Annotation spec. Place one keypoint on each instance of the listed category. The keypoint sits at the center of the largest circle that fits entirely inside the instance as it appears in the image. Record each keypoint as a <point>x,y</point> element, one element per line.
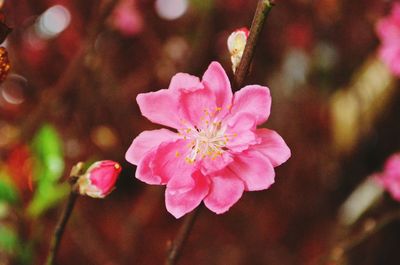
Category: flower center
<point>207,140</point>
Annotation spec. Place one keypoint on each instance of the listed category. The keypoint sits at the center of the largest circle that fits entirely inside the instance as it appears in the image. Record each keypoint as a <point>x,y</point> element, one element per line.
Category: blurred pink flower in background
<point>99,180</point>
<point>390,177</point>
<point>388,30</point>
<point>217,151</point>
<point>127,18</point>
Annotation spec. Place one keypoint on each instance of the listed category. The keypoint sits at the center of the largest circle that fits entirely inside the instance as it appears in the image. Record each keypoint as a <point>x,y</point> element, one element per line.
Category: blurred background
<point>76,68</point>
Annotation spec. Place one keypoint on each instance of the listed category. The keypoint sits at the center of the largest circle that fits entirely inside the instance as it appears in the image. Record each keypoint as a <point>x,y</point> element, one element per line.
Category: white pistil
<point>208,140</point>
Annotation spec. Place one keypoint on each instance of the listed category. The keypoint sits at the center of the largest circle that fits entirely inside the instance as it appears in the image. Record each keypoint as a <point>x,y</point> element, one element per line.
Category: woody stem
<point>262,11</point>
<point>76,171</point>
<point>59,231</point>
<point>183,234</point>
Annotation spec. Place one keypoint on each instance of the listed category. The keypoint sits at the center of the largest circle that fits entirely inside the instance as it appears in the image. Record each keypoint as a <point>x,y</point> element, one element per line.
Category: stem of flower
<point>59,231</point>
<point>370,227</point>
<point>183,234</point>
<point>262,11</point>
<point>64,217</point>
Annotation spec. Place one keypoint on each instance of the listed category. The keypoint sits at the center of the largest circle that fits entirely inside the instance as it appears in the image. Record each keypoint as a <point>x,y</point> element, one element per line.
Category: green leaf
<point>48,168</point>
<point>47,150</point>
<point>25,254</point>
<point>8,240</point>
<point>4,209</point>
<point>47,196</point>
<point>8,193</point>
<point>11,244</point>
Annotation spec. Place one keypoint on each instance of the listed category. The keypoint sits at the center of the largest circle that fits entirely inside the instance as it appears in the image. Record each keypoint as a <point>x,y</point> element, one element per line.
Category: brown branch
<point>183,234</point>
<point>64,217</point>
<point>59,231</point>
<point>370,227</point>
<point>262,11</point>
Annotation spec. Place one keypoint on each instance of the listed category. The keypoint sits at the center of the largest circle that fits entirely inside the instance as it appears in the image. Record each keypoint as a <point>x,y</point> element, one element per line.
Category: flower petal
<point>144,171</point>
<point>225,190</point>
<point>390,54</point>
<point>253,99</point>
<point>146,141</point>
<point>216,80</point>
<point>272,146</point>
<point>185,82</point>
<point>184,193</point>
<point>160,107</point>
<point>213,164</point>
<point>164,162</point>
<point>198,106</point>
<point>390,177</point>
<point>241,132</point>
<point>254,169</point>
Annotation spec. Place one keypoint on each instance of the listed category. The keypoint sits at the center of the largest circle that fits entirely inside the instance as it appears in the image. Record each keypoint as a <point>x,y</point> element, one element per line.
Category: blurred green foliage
<point>11,245</point>
<point>48,168</point>
<point>8,193</point>
<point>8,240</point>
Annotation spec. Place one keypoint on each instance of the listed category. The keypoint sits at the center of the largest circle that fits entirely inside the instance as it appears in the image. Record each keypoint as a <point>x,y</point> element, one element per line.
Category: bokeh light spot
<point>53,21</point>
<point>171,9</point>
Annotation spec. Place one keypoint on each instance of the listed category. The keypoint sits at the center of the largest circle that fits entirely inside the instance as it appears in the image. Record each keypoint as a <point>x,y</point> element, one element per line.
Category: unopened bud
<point>236,43</point>
<point>99,179</point>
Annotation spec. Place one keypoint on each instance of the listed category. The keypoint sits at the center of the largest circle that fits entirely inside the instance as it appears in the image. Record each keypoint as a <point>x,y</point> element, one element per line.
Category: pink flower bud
<point>236,43</point>
<point>99,179</point>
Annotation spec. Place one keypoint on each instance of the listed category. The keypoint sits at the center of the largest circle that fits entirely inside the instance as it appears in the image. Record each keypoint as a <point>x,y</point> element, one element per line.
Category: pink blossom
<point>390,177</point>
<point>215,152</point>
<point>99,179</point>
<point>388,30</point>
<point>127,18</point>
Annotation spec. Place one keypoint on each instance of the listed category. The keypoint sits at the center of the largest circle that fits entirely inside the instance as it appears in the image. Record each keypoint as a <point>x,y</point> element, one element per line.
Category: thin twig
<point>58,233</point>
<point>370,228</point>
<point>262,11</point>
<point>183,234</point>
<point>64,217</point>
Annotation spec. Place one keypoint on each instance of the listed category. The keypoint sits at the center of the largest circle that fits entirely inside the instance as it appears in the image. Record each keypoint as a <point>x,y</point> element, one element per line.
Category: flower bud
<point>99,179</point>
<point>236,43</point>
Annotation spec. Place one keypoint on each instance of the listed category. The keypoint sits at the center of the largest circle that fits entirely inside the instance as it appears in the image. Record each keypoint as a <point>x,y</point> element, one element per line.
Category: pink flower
<point>99,179</point>
<point>388,30</point>
<point>390,177</point>
<point>127,18</point>
<point>215,152</point>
